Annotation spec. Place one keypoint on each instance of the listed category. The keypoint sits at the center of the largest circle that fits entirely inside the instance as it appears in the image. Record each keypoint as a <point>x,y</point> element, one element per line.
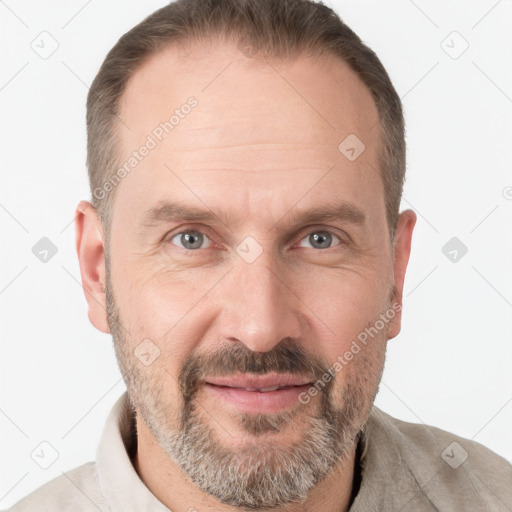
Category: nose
<point>258,307</point>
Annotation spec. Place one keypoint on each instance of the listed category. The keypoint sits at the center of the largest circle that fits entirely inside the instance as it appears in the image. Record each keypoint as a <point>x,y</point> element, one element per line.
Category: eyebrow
<point>168,212</point>
<point>345,210</point>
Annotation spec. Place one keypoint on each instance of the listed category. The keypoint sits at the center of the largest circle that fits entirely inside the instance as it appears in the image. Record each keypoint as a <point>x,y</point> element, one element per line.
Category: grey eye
<point>190,240</point>
<point>321,239</point>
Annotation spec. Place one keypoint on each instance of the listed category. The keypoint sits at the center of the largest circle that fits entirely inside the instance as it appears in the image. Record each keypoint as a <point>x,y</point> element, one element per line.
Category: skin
<point>261,143</point>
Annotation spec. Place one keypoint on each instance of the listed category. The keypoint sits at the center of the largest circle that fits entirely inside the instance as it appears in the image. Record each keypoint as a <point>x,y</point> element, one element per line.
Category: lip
<point>260,381</point>
<point>233,391</point>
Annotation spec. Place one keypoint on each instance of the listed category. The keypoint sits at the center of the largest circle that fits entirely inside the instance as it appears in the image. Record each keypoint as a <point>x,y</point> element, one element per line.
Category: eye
<point>189,240</point>
<point>193,239</point>
<point>320,239</point>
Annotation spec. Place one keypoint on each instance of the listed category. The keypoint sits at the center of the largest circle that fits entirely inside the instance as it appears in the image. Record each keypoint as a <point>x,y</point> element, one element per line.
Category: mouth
<point>259,393</point>
<point>260,390</point>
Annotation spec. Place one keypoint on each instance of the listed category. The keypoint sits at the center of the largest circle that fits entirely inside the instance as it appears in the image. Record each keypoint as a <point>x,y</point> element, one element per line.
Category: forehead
<point>324,93</point>
<point>271,130</point>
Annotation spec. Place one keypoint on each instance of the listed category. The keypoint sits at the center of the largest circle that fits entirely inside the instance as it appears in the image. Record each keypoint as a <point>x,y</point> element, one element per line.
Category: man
<point>244,247</point>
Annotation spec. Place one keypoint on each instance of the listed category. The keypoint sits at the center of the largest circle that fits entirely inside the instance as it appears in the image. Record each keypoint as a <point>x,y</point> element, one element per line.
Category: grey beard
<point>261,475</point>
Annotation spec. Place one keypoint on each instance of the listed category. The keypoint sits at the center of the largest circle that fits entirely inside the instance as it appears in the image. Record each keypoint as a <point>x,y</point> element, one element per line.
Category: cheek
<point>168,310</point>
<point>155,302</point>
<point>342,304</point>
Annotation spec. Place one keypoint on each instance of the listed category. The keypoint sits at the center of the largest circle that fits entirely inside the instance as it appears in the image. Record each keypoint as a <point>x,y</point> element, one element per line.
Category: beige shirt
<point>404,467</point>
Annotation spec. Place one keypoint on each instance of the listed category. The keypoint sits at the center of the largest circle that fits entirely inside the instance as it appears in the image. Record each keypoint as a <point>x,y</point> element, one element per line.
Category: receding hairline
<point>188,47</point>
<point>282,31</point>
<point>199,47</point>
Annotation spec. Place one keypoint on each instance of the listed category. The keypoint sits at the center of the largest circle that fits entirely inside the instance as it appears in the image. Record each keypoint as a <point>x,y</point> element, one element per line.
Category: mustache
<point>285,357</point>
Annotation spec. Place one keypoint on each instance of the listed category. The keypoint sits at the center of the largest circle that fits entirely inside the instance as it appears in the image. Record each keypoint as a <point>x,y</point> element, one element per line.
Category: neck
<point>177,492</point>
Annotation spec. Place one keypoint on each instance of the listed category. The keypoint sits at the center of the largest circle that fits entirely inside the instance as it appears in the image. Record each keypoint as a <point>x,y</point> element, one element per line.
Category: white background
<point>451,364</point>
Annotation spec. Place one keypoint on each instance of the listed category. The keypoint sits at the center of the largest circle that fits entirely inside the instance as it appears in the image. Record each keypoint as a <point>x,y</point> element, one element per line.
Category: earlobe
<point>91,256</point>
<point>401,251</point>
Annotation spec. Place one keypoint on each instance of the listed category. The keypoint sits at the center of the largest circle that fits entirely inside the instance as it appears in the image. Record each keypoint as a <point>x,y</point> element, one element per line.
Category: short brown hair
<point>279,29</point>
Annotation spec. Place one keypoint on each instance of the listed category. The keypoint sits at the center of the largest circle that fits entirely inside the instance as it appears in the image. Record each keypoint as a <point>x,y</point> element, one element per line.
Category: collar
<point>120,484</point>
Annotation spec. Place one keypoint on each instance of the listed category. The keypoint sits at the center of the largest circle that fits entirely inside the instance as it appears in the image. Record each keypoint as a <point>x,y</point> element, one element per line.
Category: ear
<point>401,252</point>
<point>91,256</point>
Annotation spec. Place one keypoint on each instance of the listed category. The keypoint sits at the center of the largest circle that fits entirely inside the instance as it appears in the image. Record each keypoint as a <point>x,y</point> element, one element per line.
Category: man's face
<point>257,290</point>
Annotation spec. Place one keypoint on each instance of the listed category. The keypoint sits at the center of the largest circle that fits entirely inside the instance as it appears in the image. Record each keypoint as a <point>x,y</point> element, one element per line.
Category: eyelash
<point>189,251</point>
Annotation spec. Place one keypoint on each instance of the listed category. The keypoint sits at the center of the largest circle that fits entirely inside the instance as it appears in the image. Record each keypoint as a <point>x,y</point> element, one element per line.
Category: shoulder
<point>447,467</point>
<point>427,441</point>
<point>77,490</point>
